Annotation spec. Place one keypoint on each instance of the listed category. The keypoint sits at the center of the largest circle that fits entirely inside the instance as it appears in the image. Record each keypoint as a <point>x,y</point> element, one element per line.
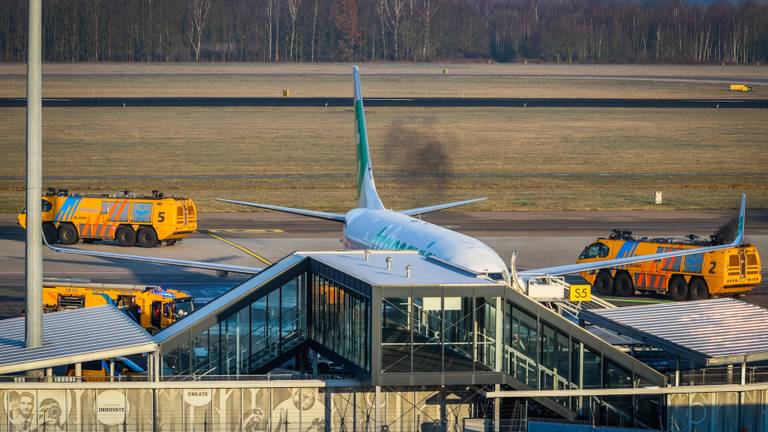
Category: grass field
<point>520,158</point>
<point>389,80</point>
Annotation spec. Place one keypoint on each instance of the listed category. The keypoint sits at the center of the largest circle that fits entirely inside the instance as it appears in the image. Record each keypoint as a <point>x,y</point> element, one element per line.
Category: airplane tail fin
<point>367,197</point>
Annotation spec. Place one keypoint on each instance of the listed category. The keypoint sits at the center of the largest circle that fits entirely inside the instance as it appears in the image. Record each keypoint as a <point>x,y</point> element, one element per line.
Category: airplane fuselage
<point>389,230</point>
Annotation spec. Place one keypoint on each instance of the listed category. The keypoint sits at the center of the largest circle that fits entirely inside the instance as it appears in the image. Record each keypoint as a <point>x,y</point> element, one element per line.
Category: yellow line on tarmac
<point>247,230</point>
<point>242,248</point>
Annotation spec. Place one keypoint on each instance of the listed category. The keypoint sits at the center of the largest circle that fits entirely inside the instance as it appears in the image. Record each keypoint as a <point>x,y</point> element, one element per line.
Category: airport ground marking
<point>247,230</point>
<point>241,248</point>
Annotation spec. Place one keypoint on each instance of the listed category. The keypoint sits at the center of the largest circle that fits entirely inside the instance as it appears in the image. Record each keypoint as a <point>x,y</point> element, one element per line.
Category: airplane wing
<point>429,209</point>
<point>153,260</point>
<point>336,217</point>
<point>577,268</point>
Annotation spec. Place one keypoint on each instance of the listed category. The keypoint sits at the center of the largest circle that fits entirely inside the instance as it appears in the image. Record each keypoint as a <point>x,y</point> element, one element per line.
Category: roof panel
<point>706,329</point>
<point>82,334</point>
<point>373,270</point>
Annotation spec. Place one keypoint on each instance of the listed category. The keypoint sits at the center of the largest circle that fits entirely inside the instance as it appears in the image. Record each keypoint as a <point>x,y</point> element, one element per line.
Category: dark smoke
<point>414,150</point>
<point>727,231</point>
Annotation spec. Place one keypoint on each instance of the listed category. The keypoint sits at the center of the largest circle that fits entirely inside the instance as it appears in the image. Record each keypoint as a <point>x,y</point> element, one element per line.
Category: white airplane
<point>372,226</point>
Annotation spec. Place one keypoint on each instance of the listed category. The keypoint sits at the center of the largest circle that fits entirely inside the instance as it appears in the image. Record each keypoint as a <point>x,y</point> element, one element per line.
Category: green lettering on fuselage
<point>384,241</point>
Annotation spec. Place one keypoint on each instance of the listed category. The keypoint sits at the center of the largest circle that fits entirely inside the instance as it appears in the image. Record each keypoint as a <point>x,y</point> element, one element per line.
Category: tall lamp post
<point>34,256</point>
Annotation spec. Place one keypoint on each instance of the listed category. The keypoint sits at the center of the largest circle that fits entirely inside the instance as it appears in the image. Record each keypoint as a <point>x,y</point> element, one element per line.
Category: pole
<point>34,308</point>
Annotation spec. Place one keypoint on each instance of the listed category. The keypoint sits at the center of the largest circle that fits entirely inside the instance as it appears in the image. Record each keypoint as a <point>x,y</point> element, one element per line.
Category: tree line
<point>563,31</point>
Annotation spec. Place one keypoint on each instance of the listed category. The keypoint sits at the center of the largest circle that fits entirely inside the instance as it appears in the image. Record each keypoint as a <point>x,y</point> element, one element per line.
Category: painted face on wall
<point>26,404</point>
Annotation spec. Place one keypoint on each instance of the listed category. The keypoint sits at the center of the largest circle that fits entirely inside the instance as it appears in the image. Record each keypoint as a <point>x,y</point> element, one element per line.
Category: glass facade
<point>340,320</point>
<point>437,334</point>
<point>323,306</point>
<point>247,337</point>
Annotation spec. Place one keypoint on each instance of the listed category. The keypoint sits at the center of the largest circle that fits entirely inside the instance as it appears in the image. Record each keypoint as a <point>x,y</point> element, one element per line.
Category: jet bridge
<point>399,320</point>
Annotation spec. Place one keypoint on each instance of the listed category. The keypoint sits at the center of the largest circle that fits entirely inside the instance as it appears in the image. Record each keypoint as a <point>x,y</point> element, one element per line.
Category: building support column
<point>328,411</point>
<point>743,373</point>
<point>497,410</point>
<point>499,346</point>
<point>156,370</point>
<point>377,409</point>
<point>443,410</point>
<point>78,372</point>
<point>581,377</point>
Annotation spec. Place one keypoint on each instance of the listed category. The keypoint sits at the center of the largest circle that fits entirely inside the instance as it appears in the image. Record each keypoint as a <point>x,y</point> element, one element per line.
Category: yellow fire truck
<point>125,218</point>
<point>725,272</point>
<point>154,308</point>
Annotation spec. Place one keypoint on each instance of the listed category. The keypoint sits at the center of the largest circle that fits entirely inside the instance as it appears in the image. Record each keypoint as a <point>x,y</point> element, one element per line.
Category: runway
<point>424,102</point>
<point>541,238</point>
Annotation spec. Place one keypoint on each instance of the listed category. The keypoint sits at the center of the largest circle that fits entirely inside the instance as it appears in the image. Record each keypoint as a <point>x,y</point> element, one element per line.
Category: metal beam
<point>244,383</point>
<point>34,247</point>
<point>626,391</point>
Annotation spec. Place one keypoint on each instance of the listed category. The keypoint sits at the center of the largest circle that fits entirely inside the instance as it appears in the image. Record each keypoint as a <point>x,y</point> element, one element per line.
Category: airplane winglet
<point>742,217</point>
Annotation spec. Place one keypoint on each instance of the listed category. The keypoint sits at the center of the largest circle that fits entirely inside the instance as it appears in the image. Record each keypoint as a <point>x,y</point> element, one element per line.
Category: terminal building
<point>388,341</point>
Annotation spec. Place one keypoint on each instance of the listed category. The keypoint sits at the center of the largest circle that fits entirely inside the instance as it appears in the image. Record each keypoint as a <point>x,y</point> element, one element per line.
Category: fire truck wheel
<point>699,289</point>
<point>623,285</point>
<point>147,237</point>
<point>604,283</point>
<point>68,234</point>
<point>50,233</point>
<point>125,236</point>
<point>678,289</point>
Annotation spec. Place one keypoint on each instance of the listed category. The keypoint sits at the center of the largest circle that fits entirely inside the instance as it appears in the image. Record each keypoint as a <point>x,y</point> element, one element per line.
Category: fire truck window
<point>142,212</point>
<point>47,206</point>
<point>594,250</point>
<point>156,307</point>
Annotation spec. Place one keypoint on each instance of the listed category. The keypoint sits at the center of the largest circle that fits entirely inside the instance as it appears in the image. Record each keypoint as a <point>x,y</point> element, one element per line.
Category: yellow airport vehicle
<point>125,218</point>
<point>725,272</point>
<point>154,308</point>
<point>741,87</point>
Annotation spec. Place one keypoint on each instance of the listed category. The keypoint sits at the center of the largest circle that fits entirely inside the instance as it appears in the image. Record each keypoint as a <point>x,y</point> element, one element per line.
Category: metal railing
<point>721,375</point>
<point>258,377</point>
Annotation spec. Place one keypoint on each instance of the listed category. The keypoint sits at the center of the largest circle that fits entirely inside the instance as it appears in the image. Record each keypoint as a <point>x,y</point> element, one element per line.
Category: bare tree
<point>394,11</point>
<point>199,14</point>
<point>293,11</point>
<point>314,29</point>
<point>428,11</point>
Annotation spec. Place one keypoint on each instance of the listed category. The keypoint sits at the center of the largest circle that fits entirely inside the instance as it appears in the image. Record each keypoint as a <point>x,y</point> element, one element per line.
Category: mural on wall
<point>33,410</point>
<point>249,409</point>
<point>81,409</point>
